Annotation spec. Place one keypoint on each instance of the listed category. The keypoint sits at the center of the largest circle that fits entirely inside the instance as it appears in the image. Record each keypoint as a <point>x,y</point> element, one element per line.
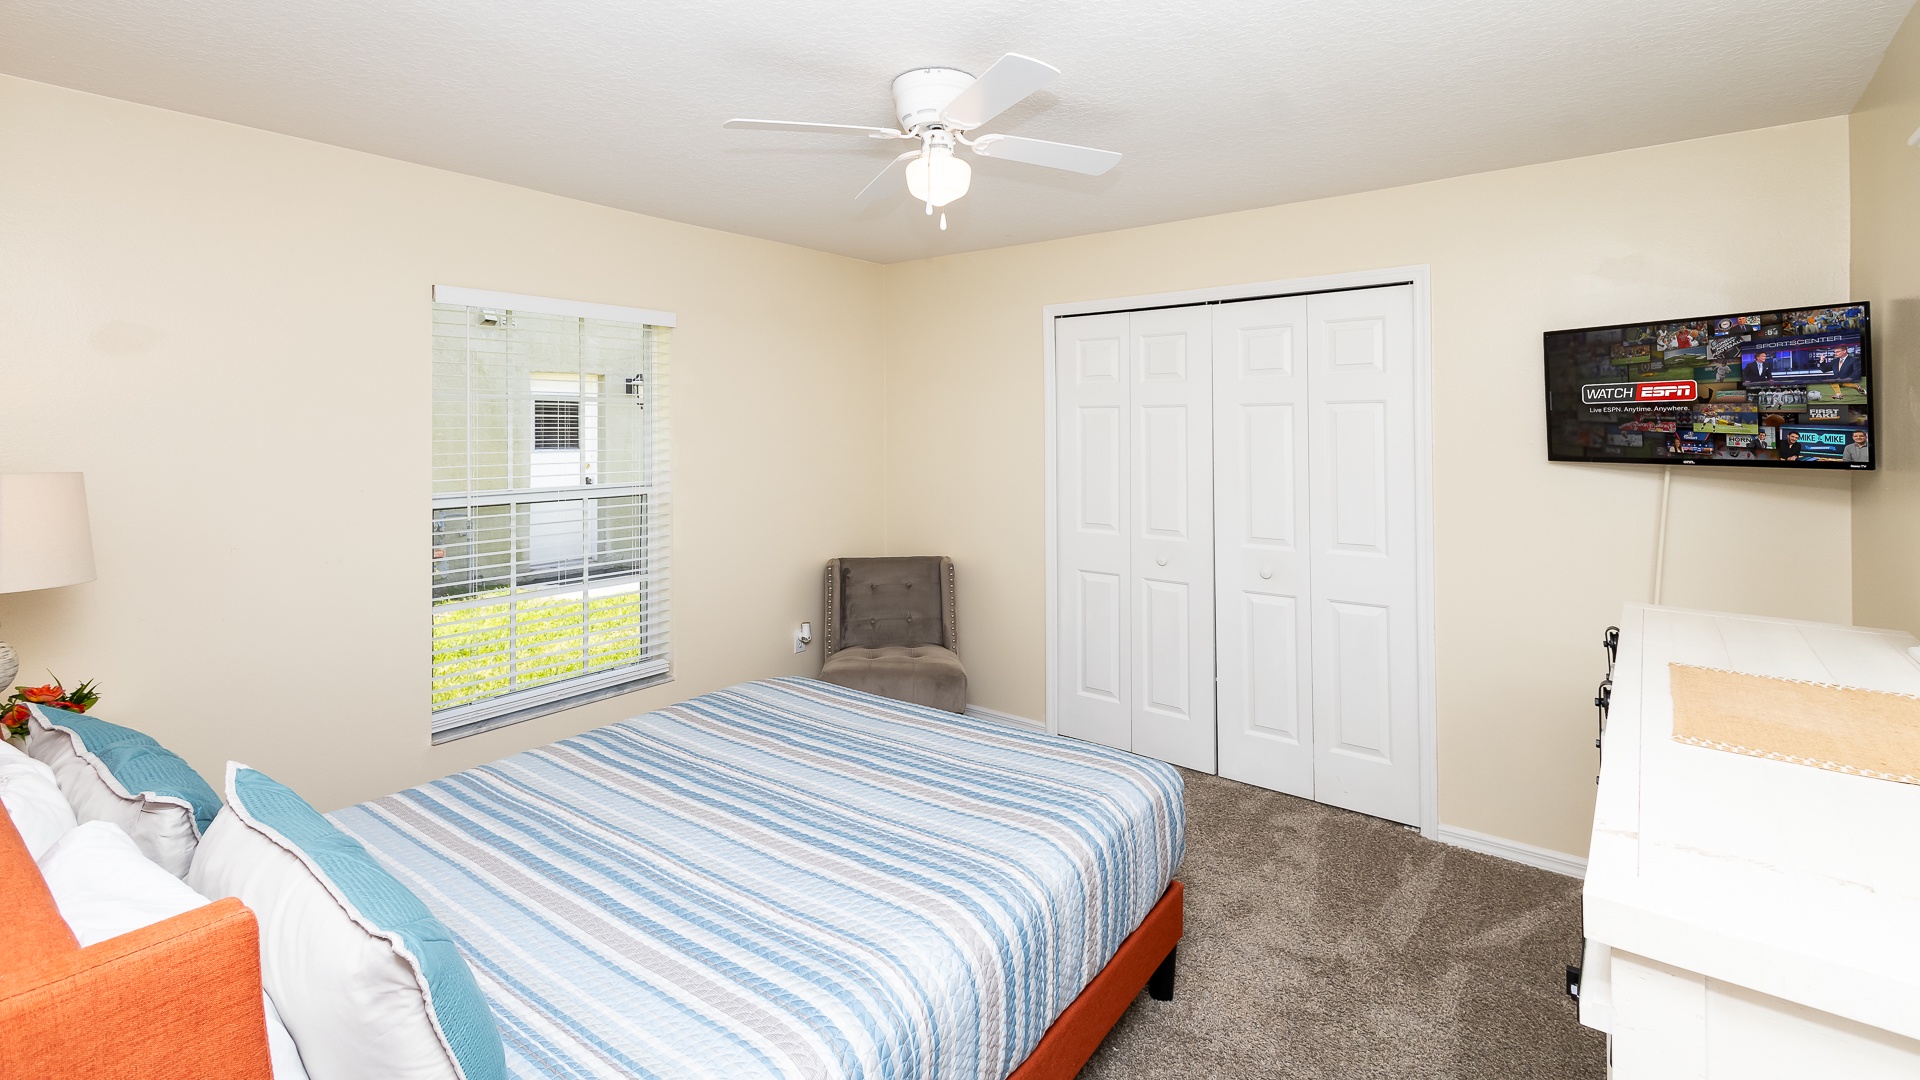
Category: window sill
<point>584,696</point>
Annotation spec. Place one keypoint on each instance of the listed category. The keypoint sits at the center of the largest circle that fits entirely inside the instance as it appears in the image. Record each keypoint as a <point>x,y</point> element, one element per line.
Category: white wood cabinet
<point>1749,918</point>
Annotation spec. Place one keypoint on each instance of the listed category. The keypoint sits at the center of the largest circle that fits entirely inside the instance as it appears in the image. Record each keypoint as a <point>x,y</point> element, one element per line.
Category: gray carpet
<point>1324,944</point>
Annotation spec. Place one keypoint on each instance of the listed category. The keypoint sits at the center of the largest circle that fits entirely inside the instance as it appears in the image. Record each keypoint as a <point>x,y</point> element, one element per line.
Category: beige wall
<point>228,330</point>
<point>1532,559</point>
<point>1886,270</point>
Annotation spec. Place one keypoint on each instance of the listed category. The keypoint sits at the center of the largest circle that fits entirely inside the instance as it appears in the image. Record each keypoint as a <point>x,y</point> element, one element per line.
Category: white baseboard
<point>1557,861</point>
<point>1007,718</point>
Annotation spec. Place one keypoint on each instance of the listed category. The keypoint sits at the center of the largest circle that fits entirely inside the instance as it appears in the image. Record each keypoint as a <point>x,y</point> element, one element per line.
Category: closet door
<point>1362,536</point>
<point>1263,589</point>
<point>1093,471</point>
<point>1172,549</point>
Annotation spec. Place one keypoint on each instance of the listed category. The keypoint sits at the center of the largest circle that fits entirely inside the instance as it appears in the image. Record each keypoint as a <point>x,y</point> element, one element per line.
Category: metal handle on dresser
<point>1603,700</point>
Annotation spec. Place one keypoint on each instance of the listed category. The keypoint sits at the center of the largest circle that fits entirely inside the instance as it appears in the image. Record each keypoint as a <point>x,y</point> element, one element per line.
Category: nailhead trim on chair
<point>953,621</point>
<point>831,593</point>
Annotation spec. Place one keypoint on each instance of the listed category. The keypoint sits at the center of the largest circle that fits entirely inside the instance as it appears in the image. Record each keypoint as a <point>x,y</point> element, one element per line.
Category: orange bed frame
<point>181,999</point>
<point>1145,959</point>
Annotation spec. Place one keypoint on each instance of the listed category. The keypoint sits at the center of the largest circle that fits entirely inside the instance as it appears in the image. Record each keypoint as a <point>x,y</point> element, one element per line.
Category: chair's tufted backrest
<point>874,603</point>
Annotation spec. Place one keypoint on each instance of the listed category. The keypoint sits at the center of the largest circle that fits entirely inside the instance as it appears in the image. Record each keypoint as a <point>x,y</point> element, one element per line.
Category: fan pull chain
<point>943,222</point>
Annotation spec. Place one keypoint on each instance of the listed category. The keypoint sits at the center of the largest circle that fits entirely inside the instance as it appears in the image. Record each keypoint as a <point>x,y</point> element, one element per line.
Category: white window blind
<point>550,506</point>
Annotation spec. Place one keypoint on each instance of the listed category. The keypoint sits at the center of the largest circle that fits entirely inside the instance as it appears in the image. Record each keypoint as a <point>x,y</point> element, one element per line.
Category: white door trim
<point>1420,278</point>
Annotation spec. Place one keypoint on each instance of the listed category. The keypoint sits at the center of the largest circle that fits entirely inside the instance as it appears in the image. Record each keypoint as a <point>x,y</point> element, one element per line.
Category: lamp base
<point>9,667</point>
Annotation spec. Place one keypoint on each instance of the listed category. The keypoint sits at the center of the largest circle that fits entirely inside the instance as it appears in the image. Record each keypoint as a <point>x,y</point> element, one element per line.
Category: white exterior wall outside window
<point>550,514</point>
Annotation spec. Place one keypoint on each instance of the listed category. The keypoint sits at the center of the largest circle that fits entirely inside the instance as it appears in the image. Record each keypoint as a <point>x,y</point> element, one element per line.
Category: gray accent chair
<point>890,630</point>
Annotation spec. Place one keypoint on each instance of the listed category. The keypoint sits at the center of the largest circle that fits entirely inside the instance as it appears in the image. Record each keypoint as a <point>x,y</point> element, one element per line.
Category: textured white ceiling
<point>1218,105</point>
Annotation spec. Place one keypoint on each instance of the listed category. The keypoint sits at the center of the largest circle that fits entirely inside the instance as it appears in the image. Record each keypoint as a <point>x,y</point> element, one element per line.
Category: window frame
<point>525,703</point>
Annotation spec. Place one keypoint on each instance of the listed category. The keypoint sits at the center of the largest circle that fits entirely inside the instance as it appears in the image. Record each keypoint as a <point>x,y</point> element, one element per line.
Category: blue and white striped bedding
<point>785,879</point>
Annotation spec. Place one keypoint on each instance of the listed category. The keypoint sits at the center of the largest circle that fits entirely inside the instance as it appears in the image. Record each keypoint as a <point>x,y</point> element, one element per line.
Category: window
<point>550,510</point>
<point>556,425</point>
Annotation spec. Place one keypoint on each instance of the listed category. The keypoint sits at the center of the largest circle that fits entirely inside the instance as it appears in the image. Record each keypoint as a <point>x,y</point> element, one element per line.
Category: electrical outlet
<point>803,637</point>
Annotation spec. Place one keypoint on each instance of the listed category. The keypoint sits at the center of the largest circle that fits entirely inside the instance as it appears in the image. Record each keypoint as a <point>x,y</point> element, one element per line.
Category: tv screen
<point>1781,389</point>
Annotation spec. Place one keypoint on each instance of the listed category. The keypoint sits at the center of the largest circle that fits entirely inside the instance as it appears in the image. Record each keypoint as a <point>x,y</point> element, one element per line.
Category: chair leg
<point>1160,983</point>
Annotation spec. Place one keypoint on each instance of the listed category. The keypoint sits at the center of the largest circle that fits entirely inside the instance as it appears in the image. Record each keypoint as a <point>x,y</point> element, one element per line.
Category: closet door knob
<point>1162,560</point>
<point>1266,572</point>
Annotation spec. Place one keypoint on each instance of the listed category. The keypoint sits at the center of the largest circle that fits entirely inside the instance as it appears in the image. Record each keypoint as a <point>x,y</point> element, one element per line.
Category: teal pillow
<point>460,1009</point>
<point>138,763</point>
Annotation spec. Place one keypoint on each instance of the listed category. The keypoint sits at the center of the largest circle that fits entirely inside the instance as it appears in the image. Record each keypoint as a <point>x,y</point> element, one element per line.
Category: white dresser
<point>1748,918</point>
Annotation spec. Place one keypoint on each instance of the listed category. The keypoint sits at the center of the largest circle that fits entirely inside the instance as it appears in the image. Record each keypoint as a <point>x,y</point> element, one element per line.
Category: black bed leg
<point>1160,983</point>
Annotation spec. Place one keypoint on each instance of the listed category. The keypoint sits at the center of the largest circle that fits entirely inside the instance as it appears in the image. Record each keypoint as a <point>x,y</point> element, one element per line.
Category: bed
<point>786,879</point>
<point>793,879</point>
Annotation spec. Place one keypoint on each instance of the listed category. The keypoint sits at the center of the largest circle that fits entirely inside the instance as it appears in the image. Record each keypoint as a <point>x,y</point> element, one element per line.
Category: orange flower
<point>14,716</point>
<point>66,705</point>
<point>43,695</point>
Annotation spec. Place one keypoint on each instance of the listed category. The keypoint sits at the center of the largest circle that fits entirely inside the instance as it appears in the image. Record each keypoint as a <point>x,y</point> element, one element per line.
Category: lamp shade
<point>937,176</point>
<point>44,538</point>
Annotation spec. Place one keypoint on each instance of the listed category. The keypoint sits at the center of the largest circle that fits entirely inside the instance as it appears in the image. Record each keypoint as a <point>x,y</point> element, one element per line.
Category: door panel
<point>1164,471</point>
<point>1098,360</point>
<point>1357,343</point>
<point>1094,477</point>
<point>1098,634</point>
<point>1362,669</point>
<point>1261,578</point>
<point>1362,547</point>
<point>1272,665</point>
<point>1164,354</point>
<point>1270,491</point>
<point>1172,543</point>
<point>1359,466</point>
<point>1102,464</point>
<point>1167,629</point>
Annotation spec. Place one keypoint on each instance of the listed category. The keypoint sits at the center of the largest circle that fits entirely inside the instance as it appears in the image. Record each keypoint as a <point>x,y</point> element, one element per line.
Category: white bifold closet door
<point>1363,546</point>
<point>1173,717</point>
<point>1316,557</point>
<point>1265,586</point>
<point>1135,532</point>
<point>1094,449</point>
<point>1236,495</point>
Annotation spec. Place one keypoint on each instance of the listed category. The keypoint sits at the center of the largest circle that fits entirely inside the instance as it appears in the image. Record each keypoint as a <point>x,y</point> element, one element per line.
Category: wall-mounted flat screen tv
<point>1780,389</point>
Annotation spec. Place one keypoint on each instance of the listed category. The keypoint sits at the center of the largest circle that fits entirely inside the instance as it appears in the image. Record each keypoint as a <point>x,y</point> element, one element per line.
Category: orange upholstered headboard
<point>180,998</point>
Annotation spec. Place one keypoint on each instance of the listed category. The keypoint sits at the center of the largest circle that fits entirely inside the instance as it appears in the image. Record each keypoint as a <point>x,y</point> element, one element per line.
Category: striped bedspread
<point>785,879</point>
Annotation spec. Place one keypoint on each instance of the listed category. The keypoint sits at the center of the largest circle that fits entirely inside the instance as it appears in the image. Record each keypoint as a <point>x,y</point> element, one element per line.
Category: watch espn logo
<point>1627,392</point>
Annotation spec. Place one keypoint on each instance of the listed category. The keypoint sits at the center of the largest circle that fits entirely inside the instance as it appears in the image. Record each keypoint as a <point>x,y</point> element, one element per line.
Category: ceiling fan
<point>937,107</point>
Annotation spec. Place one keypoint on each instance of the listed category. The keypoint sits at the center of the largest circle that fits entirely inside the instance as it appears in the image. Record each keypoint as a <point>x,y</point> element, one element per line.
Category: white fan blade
<point>821,129</point>
<point>890,174</point>
<point>1011,78</point>
<point>1053,155</point>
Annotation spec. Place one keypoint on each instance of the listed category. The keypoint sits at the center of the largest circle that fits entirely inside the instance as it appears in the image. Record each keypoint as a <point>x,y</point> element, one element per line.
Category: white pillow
<point>105,887</point>
<point>32,798</point>
<point>113,773</point>
<point>370,983</point>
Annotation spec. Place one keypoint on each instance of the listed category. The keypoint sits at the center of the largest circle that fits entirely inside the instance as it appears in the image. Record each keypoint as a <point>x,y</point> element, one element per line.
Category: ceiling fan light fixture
<point>941,108</point>
<point>937,177</point>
